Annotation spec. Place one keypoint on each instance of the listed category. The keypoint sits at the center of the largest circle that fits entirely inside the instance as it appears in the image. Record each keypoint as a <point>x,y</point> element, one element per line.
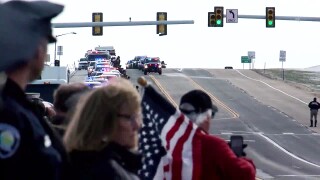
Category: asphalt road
<point>281,147</point>
<point>282,96</point>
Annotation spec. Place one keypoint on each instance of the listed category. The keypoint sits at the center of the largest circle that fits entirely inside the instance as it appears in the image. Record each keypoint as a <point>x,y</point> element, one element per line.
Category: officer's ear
<point>41,52</point>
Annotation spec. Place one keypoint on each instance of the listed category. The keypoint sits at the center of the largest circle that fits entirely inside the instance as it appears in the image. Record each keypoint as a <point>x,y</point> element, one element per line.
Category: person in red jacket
<point>218,159</point>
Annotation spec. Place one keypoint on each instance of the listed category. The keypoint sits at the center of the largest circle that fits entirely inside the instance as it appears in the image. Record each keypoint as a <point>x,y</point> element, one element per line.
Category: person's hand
<point>243,147</point>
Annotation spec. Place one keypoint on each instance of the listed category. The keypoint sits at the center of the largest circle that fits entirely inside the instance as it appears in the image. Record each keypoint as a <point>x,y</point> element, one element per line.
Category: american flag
<point>168,141</point>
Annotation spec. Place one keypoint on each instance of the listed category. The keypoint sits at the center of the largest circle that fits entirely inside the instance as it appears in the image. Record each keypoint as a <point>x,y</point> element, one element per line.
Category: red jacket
<point>219,161</point>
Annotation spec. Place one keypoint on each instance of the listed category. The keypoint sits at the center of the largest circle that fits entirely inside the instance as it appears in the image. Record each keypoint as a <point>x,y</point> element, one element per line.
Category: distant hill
<point>313,68</point>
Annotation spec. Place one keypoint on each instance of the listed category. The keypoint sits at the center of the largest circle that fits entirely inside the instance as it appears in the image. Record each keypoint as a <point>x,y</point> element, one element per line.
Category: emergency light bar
<point>103,66</point>
<point>100,59</point>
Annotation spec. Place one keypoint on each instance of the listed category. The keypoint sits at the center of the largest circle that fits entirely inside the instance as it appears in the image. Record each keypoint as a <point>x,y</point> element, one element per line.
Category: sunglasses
<point>130,118</point>
<point>193,112</point>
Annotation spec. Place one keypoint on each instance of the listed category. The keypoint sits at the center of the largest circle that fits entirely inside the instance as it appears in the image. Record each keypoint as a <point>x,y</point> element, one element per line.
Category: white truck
<point>110,49</point>
<point>51,78</point>
<point>83,64</point>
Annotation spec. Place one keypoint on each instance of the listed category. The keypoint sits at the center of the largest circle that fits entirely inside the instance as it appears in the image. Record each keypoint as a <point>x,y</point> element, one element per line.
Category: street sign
<point>60,50</point>
<point>245,59</point>
<point>232,15</point>
<point>282,57</point>
<point>252,54</point>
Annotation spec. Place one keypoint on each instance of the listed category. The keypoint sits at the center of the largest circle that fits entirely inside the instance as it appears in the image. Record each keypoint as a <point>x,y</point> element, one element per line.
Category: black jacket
<point>314,105</point>
<point>114,162</point>
<point>31,149</point>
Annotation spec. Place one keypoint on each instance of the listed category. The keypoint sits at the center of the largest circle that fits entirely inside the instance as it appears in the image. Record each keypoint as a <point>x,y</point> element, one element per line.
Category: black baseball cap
<point>196,101</point>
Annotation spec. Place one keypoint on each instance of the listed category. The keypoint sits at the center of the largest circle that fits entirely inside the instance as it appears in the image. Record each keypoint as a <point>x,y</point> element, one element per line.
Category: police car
<point>103,67</point>
<point>97,76</point>
<point>93,84</point>
<point>152,64</point>
<point>90,82</point>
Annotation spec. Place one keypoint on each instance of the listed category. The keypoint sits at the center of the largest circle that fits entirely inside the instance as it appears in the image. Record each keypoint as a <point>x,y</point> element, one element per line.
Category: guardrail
<point>72,70</point>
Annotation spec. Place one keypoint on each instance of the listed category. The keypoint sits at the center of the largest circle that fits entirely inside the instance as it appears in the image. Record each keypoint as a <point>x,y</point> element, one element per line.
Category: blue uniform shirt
<point>28,149</point>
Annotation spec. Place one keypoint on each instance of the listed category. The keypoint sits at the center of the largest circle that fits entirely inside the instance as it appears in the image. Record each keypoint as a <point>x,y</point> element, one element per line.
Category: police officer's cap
<point>22,25</point>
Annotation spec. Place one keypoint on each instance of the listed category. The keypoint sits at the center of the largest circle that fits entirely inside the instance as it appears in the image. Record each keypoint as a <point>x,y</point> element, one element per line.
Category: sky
<point>194,45</point>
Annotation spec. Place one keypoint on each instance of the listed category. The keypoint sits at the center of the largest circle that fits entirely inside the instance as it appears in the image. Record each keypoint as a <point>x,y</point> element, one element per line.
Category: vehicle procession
<point>102,64</point>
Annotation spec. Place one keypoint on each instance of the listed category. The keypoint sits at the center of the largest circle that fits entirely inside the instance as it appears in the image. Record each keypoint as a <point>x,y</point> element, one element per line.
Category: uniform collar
<point>14,91</point>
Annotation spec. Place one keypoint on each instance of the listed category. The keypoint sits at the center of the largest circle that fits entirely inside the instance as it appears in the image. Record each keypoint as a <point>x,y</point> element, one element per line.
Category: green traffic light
<point>270,23</point>
<point>218,22</point>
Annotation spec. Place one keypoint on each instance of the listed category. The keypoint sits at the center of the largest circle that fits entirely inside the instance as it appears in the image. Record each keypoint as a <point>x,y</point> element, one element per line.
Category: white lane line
<point>201,77</point>
<point>272,87</point>
<point>244,133</point>
<point>226,133</point>
<point>287,152</point>
<point>220,119</point>
<point>245,140</point>
<point>288,133</point>
<point>293,175</point>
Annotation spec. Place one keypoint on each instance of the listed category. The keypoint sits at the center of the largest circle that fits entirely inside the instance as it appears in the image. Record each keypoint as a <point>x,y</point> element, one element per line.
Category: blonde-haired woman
<point>103,134</point>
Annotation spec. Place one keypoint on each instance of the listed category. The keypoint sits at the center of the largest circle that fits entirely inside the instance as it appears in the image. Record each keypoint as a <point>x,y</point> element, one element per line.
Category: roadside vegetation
<point>301,79</point>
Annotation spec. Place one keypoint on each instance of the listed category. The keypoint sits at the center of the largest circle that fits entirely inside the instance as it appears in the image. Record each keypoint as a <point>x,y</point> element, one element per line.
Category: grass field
<point>307,79</point>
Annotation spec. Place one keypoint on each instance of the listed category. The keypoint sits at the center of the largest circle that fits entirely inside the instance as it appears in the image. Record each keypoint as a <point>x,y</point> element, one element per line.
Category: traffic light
<point>97,30</point>
<point>56,62</point>
<point>218,12</point>
<point>162,29</point>
<point>211,19</point>
<point>270,17</point>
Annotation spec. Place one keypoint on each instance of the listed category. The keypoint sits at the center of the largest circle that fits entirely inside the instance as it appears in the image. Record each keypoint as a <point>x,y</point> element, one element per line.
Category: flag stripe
<point>167,141</point>
<point>172,120</point>
<point>173,130</point>
<point>171,123</point>
<point>188,155</point>
<point>196,155</point>
<point>177,152</point>
<point>166,168</point>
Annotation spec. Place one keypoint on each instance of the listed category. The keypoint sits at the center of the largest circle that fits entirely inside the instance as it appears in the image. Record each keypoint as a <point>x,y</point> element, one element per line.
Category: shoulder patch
<point>9,140</point>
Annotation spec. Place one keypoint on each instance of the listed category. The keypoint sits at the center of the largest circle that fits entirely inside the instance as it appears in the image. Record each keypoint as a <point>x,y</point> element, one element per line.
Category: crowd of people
<point>90,133</point>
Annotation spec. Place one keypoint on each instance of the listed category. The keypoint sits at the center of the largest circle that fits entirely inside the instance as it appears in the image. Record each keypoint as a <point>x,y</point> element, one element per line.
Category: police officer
<point>314,106</point>
<point>118,61</point>
<point>29,148</point>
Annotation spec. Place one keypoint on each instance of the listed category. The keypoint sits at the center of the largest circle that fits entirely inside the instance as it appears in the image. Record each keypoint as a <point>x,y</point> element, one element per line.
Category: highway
<point>271,116</point>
